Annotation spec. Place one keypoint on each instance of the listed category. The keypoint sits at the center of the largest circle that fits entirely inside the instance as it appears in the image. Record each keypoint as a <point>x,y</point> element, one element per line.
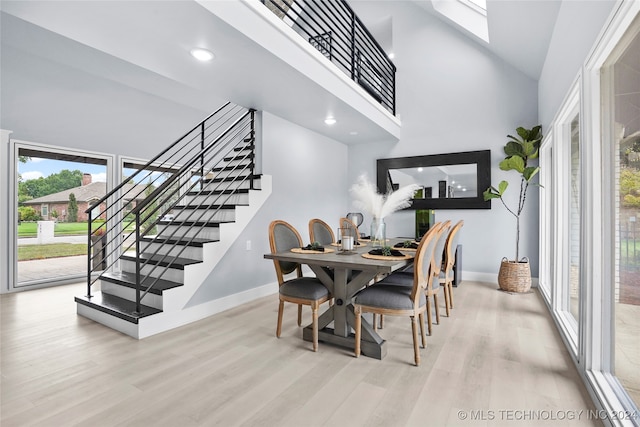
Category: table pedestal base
<point>371,344</point>
<point>368,348</point>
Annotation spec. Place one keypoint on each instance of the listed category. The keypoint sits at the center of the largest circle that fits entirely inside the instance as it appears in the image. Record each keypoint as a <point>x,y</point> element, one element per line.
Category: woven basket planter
<point>514,276</point>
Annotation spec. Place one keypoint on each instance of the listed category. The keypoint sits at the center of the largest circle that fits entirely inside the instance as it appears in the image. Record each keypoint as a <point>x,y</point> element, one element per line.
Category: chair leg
<point>435,304</point>
<point>375,321</point>
<point>381,321</point>
<point>429,321</point>
<point>358,328</point>
<point>451,294</point>
<point>422,331</point>
<point>416,349</point>
<point>314,316</point>
<point>279,327</point>
<point>299,314</point>
<point>446,300</point>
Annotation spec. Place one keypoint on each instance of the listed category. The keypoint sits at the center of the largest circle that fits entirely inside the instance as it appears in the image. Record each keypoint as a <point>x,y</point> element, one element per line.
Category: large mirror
<point>447,181</point>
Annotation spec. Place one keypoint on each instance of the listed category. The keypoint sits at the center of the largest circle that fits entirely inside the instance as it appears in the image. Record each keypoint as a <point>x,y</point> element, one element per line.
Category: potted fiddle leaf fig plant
<point>515,275</point>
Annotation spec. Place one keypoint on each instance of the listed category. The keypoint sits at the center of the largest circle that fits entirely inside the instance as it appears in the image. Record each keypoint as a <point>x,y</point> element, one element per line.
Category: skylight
<point>469,14</point>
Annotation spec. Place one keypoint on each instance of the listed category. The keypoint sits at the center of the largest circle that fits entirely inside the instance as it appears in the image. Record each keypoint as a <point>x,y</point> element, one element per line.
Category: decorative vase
<point>514,276</point>
<point>378,233</point>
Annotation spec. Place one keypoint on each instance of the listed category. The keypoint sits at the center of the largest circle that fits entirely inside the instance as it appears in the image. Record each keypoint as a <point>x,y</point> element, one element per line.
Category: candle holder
<point>346,241</point>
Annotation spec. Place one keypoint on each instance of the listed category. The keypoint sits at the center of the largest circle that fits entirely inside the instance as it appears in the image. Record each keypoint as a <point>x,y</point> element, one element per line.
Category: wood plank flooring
<point>496,353</point>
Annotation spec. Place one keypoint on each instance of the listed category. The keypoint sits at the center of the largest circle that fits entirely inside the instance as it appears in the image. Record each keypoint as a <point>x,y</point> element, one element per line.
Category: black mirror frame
<point>481,158</point>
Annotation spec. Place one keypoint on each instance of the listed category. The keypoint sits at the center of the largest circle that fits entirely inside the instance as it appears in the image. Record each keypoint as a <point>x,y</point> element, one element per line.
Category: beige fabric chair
<point>299,290</point>
<point>446,277</point>
<point>321,232</point>
<point>347,223</point>
<point>391,299</point>
<point>431,267</point>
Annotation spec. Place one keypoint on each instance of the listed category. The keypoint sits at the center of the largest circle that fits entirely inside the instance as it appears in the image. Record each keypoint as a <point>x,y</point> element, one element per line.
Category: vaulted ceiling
<point>139,44</point>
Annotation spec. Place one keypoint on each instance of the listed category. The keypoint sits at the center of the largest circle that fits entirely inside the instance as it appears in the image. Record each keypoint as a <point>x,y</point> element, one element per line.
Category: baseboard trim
<point>164,321</point>
<point>488,277</point>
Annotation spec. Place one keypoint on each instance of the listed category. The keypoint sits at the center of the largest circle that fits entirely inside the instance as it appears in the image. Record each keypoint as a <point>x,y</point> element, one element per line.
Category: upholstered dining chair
<point>433,266</point>
<point>321,232</point>
<point>446,276</point>
<point>347,223</point>
<point>407,278</point>
<point>299,290</point>
<point>390,299</point>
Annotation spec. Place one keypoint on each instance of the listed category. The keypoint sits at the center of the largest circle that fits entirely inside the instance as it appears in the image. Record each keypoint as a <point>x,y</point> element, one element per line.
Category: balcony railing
<point>334,29</point>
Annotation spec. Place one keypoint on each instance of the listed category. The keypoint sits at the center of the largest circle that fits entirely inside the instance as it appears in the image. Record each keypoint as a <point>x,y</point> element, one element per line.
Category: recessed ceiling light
<point>391,55</point>
<point>329,121</point>
<point>353,132</point>
<point>202,54</point>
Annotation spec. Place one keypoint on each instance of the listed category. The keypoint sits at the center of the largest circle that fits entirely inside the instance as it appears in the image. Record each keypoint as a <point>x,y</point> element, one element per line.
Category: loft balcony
<point>337,32</point>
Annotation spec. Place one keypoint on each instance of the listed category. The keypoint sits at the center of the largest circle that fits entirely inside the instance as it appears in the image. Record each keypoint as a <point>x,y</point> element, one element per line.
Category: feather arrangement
<point>366,197</point>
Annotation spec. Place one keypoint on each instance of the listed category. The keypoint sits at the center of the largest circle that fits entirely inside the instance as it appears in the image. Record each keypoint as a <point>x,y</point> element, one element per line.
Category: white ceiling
<point>519,31</point>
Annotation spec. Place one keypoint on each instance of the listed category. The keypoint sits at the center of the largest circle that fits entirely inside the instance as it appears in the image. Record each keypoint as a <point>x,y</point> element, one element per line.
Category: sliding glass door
<point>621,102</point>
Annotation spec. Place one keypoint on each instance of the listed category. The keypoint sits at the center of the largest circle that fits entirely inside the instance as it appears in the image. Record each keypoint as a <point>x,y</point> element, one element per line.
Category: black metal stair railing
<point>334,29</point>
<point>209,165</point>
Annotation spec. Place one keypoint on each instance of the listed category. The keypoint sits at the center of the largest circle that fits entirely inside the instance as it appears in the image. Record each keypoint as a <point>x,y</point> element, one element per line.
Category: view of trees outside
<point>38,178</point>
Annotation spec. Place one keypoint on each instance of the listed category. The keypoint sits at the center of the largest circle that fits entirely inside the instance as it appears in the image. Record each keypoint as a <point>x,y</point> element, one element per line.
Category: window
<point>620,81</point>
<point>44,212</point>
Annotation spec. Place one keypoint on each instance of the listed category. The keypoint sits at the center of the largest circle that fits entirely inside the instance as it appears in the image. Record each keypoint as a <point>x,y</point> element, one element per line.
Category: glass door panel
<point>623,78</point>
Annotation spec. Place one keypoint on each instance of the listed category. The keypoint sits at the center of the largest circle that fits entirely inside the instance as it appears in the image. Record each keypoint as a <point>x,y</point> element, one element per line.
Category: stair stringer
<point>174,313</point>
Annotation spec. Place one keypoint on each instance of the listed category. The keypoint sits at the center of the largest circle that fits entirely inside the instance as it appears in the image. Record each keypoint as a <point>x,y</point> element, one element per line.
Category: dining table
<point>344,273</point>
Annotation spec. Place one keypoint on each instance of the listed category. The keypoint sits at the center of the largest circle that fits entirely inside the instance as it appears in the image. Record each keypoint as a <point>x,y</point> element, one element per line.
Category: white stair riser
<point>239,162</point>
<point>190,252</point>
<point>127,293</point>
<point>206,215</point>
<point>231,185</point>
<point>227,199</point>
<point>171,274</point>
<point>212,233</point>
<point>232,173</point>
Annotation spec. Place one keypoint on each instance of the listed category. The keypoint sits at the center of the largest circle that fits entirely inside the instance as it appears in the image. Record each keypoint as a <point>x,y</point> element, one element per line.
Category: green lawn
<point>54,250</point>
<point>30,229</point>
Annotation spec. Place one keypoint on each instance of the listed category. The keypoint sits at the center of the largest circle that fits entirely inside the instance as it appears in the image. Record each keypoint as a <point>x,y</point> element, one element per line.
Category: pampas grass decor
<point>366,197</point>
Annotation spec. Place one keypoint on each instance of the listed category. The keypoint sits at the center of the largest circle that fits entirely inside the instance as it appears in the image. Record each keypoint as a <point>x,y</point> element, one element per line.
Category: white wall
<point>453,95</point>
<point>309,174</point>
<point>52,103</point>
<point>577,27</point>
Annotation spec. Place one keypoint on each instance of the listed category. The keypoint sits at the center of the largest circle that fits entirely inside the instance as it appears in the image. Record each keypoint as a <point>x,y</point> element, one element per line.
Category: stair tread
<point>232,178</point>
<point>217,192</point>
<point>129,280</point>
<point>194,223</point>
<point>163,261</point>
<point>194,242</point>
<point>208,207</point>
<point>116,306</point>
<point>248,157</point>
<point>229,168</point>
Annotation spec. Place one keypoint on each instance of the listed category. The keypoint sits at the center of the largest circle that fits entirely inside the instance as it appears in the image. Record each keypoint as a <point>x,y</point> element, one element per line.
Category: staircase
<point>190,203</point>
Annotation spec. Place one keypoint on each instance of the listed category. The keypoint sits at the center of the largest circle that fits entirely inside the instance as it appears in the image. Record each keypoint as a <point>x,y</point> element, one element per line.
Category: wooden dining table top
<point>354,260</point>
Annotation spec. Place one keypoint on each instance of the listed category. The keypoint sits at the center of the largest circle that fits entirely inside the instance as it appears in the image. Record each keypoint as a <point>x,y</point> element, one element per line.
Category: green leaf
<point>488,195</point>
<point>502,187</point>
<point>530,172</point>
<point>513,149</point>
<point>528,148</point>
<point>512,163</point>
<point>524,133</point>
<point>535,133</point>
<point>514,139</point>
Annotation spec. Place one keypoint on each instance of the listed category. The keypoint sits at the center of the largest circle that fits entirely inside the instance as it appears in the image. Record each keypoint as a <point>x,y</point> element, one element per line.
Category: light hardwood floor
<point>496,353</point>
